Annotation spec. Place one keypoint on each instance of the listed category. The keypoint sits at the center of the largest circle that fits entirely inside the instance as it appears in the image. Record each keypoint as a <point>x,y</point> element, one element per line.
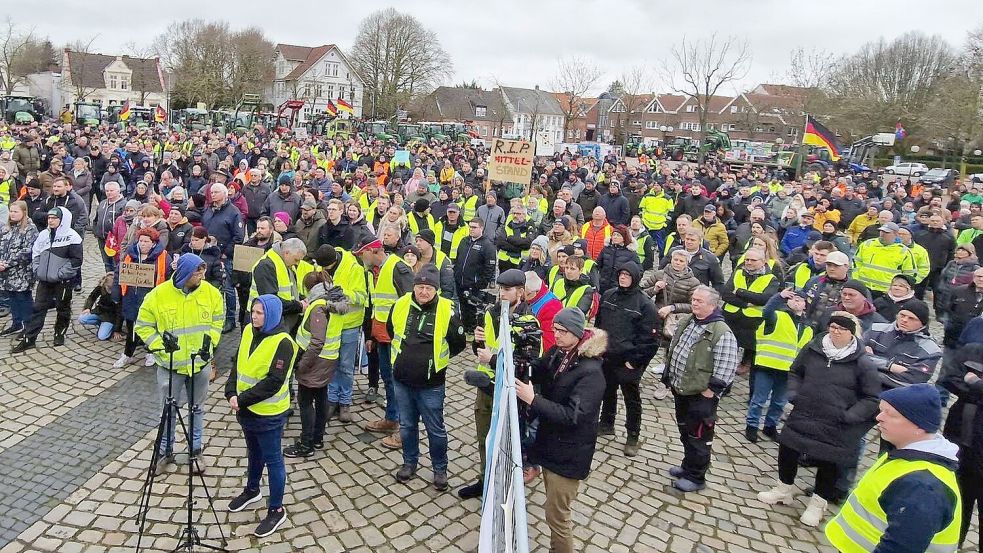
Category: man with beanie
<point>703,357</point>
<point>855,300</point>
<point>191,309</point>
<point>474,268</point>
<point>426,333</point>
<point>425,240</point>
<point>903,351</point>
<point>450,230</point>
<point>571,388</point>
<point>420,218</point>
<point>513,239</point>
<point>908,501</point>
<point>491,214</point>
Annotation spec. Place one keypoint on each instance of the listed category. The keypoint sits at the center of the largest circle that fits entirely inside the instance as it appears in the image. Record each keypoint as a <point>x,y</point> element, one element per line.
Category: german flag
<point>345,106</point>
<point>124,113</point>
<point>160,114</point>
<point>818,135</point>
<point>330,109</point>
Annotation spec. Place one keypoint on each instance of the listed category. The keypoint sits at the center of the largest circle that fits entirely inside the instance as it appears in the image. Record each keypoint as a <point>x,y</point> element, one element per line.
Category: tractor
<point>88,114</point>
<point>379,130</point>
<point>21,110</point>
<point>633,145</point>
<point>409,133</point>
<point>433,131</point>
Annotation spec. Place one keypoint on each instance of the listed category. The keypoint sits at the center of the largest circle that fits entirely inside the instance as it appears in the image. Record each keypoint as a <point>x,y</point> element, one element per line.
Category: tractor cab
<point>21,110</point>
<point>88,114</point>
<point>409,132</point>
<point>193,119</point>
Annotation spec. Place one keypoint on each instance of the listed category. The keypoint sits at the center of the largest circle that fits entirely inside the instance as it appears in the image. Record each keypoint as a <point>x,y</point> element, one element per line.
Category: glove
<point>335,294</point>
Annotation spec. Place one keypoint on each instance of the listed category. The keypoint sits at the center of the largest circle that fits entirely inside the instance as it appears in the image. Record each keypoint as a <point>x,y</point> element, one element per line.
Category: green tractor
<point>714,142</point>
<point>379,130</point>
<point>433,131</point>
<point>88,114</point>
<point>21,110</point>
<point>191,119</point>
<point>457,132</point>
<point>330,128</point>
<point>633,146</point>
<point>409,133</point>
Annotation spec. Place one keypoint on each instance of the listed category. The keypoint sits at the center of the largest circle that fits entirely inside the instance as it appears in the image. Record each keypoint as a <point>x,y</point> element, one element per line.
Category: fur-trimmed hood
<point>337,302</point>
<point>594,344</point>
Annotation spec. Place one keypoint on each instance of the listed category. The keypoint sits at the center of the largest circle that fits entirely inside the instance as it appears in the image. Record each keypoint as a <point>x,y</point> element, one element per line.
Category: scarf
<point>899,299</point>
<point>834,353</point>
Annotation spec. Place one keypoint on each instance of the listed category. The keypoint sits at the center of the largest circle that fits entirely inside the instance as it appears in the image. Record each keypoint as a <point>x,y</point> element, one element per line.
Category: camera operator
<point>191,310</point>
<point>511,289</point>
<point>474,268</point>
<point>572,387</point>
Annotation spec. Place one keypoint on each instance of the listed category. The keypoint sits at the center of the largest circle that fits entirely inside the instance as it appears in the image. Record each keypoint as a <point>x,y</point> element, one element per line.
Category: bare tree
<point>250,66</point>
<point>15,45</point>
<point>399,59</point>
<point>811,70</point>
<point>699,70</point>
<point>636,85</point>
<point>141,81</point>
<point>575,77</point>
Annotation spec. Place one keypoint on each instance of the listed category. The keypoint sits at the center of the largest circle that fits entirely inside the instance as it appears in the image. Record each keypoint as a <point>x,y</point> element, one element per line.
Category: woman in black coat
<point>614,257</point>
<point>835,402</point>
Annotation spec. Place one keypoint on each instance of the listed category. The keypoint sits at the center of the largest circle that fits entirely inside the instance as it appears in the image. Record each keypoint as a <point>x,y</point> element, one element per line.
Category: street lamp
<point>914,149</point>
<point>977,152</point>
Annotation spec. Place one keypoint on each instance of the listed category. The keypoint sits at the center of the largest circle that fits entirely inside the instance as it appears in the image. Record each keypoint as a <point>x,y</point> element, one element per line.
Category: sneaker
<point>605,429</point>
<point>298,450</point>
<point>472,491</point>
<point>781,493</point>
<point>243,500</point>
<point>405,473</point>
<point>24,345</point>
<point>676,472</point>
<point>149,360</point>
<point>345,413</point>
<point>123,361</point>
<point>372,395</point>
<point>686,485</point>
<point>274,519</point>
<point>319,445</point>
<point>12,330</point>
<point>771,433</point>
<point>814,512</point>
<point>751,433</point>
<point>440,481</point>
<point>381,426</point>
<point>632,446</point>
<point>162,463</point>
<point>393,441</point>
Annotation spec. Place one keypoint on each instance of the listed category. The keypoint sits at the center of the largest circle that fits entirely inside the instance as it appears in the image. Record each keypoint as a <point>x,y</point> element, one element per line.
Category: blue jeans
<point>21,306</point>
<point>768,383</point>
<point>229,291</point>
<point>263,436</point>
<point>181,389</point>
<point>428,404</point>
<point>386,372</point>
<point>105,328</point>
<point>660,239</point>
<point>340,388</point>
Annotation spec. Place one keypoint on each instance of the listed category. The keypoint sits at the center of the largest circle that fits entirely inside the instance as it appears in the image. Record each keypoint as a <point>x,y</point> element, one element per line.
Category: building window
<point>690,108</point>
<point>612,124</point>
<point>733,109</point>
<point>124,84</point>
<point>792,131</point>
<point>480,111</point>
<point>636,123</point>
<point>651,125</point>
<point>330,88</point>
<point>113,82</point>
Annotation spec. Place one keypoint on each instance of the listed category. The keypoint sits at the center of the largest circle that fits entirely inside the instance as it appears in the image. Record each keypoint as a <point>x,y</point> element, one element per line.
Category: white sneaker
<point>814,512</point>
<point>782,493</point>
<point>149,361</point>
<point>122,361</point>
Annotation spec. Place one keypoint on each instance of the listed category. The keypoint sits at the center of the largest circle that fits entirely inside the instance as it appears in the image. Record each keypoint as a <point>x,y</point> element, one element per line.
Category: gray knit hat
<point>572,319</point>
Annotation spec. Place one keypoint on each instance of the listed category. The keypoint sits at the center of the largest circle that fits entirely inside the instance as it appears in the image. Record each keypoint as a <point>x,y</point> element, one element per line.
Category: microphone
<point>205,353</point>
<point>477,378</point>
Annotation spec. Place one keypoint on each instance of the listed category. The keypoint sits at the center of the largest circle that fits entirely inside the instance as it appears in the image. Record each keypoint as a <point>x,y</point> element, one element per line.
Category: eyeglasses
<point>836,328</point>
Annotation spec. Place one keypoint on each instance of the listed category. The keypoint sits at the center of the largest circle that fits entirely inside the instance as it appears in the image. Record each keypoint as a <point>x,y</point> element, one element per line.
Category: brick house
<point>483,108</point>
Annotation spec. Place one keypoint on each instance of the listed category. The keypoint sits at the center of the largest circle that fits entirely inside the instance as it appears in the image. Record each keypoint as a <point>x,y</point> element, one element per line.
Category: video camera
<point>476,302</point>
<point>527,339</point>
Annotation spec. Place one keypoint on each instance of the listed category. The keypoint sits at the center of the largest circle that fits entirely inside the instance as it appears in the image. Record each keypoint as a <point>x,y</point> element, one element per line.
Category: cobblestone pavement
<point>91,459</point>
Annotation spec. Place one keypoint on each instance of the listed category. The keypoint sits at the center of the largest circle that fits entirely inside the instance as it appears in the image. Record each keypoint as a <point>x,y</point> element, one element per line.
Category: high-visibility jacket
<point>778,348</point>
<point>441,350</point>
<point>555,272</point>
<point>189,317</point>
<point>596,238</point>
<point>351,278</point>
<point>861,523</point>
<point>876,264</point>
<point>757,285</point>
<point>923,265</point>
<point>802,273</point>
<point>654,209</point>
<point>448,236</point>
<point>332,338</point>
<point>286,279</point>
<point>491,337</point>
<point>383,289</point>
<point>569,298</point>
<point>513,257</point>
<point>6,187</point>
<point>303,269</point>
<point>253,366</point>
<point>641,240</point>
<point>7,143</point>
<point>469,208</point>
<point>414,223</point>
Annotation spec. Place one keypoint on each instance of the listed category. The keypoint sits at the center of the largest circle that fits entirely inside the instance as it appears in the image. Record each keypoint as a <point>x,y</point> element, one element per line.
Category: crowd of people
<point>816,288</point>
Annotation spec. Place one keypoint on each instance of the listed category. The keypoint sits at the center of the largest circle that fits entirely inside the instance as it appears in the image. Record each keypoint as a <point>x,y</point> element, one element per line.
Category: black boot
<point>770,432</point>
<point>751,433</point>
<point>472,491</point>
<point>23,345</point>
<point>12,330</point>
<point>60,337</point>
<point>605,429</point>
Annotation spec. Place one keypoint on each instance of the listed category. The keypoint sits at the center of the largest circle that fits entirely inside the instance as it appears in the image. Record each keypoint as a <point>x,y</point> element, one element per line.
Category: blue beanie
<point>919,403</point>
<point>187,264</point>
<point>273,312</point>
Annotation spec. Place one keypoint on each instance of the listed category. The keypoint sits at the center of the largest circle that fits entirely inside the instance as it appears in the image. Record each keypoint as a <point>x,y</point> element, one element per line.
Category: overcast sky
<point>517,42</point>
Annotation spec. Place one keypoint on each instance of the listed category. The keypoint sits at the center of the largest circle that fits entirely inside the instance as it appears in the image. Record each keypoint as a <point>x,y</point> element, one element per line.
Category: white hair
<point>221,188</point>
<point>533,282</point>
<point>713,295</point>
<point>293,245</point>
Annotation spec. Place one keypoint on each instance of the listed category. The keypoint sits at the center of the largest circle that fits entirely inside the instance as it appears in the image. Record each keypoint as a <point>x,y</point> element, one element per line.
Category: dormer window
<point>113,82</point>
<point>480,111</point>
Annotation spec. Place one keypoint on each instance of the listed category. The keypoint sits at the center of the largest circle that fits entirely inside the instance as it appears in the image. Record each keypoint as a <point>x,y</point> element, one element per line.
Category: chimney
<point>537,87</point>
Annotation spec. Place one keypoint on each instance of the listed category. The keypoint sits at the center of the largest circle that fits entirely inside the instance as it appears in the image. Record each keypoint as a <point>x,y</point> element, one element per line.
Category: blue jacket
<point>225,225</point>
<point>795,237</point>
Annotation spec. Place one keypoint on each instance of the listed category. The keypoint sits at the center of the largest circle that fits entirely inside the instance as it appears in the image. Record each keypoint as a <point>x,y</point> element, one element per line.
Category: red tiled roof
<point>313,56</point>
<point>294,53</point>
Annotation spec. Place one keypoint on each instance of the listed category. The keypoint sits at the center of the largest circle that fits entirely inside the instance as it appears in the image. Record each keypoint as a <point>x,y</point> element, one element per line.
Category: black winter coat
<point>834,403</point>
<point>568,407</point>
<point>963,304</point>
<point>339,235</point>
<point>629,317</point>
<point>964,424</point>
<point>940,246</point>
<point>610,262</point>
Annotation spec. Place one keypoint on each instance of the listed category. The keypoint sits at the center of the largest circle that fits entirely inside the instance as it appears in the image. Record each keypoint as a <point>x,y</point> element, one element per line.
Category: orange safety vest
<point>596,237</point>
<point>160,275</point>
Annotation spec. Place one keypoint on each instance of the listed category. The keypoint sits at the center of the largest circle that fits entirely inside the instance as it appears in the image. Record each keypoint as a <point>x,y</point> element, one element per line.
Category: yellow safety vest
<point>187,316</point>
<point>641,240</point>
<point>351,278</point>
<point>876,264</point>
<point>506,256</point>
<point>802,274</point>
<point>383,290</point>
<point>441,350</point>
<point>757,285</point>
<point>414,223</point>
<point>303,269</point>
<point>491,339</point>
<point>861,523</point>
<point>251,368</point>
<point>571,299</point>
<point>455,237</point>
<point>655,210</point>
<point>777,349</point>
<point>332,340</point>
<point>286,279</point>
<point>469,208</point>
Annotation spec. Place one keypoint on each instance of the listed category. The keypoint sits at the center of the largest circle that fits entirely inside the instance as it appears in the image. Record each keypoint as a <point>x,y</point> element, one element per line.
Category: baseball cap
<point>838,258</point>
<point>889,227</point>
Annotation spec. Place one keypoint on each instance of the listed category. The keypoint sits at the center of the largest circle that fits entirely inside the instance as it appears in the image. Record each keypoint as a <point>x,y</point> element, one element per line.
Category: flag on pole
<point>160,114</point>
<point>124,113</point>
<point>330,109</point>
<point>899,131</point>
<point>345,106</point>
<point>818,135</point>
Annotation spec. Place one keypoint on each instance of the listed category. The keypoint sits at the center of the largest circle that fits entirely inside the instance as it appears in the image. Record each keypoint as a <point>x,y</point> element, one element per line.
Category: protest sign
<point>511,161</point>
<point>245,257</point>
<point>132,273</point>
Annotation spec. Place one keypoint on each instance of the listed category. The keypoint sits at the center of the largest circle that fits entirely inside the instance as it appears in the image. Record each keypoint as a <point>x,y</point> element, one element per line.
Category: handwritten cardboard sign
<point>511,161</point>
<point>245,257</point>
<point>132,273</point>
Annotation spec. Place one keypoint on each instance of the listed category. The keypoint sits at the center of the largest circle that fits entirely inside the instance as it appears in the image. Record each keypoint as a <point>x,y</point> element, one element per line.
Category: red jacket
<point>545,306</point>
<point>596,237</point>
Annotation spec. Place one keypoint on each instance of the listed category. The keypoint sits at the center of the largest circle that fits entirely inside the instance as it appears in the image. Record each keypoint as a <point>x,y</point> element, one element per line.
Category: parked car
<point>909,169</point>
<point>976,177</point>
<point>940,177</point>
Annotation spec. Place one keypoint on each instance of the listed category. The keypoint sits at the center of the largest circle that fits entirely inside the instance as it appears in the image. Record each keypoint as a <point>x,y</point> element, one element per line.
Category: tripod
<point>171,411</point>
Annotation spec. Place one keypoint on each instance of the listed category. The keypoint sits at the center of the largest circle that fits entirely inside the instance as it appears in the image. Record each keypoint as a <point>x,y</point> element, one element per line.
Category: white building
<point>314,75</point>
<point>110,80</point>
<point>535,113</point>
